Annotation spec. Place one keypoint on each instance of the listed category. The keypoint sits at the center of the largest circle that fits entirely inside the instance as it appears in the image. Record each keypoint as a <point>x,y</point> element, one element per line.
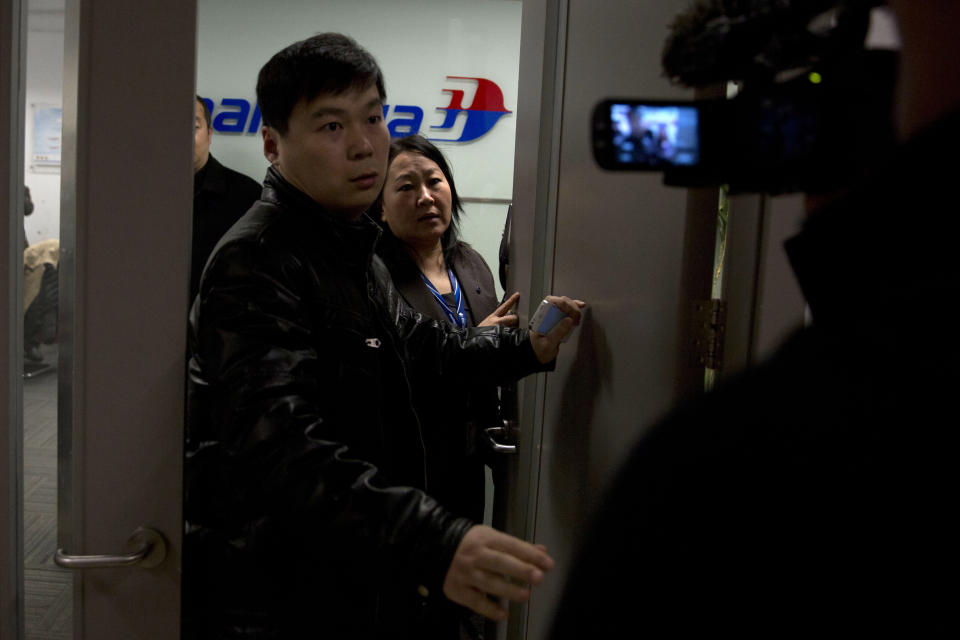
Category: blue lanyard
<point>460,320</point>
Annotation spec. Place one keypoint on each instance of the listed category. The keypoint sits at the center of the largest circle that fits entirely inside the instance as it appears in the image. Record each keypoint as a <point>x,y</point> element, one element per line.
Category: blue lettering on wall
<point>232,121</point>
<point>235,116</point>
<point>400,127</point>
<point>254,120</point>
<point>406,121</point>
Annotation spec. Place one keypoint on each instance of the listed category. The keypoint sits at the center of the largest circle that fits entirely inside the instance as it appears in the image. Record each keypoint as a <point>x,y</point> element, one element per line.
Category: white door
<point>126,203</point>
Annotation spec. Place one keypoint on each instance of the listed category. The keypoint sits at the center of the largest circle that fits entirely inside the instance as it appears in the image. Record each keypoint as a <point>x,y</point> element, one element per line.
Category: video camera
<point>813,110</point>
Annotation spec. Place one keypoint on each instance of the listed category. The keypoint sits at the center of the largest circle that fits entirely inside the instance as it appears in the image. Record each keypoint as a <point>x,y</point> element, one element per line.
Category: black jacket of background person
<point>452,412</point>
<point>305,475</point>
<point>816,494</point>
<point>220,197</point>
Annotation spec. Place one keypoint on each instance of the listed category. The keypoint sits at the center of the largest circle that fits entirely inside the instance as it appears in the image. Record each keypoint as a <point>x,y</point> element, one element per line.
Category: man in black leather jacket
<point>306,504</point>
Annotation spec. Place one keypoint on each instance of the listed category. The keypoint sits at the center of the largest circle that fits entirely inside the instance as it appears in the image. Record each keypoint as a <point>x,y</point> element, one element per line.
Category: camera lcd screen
<point>654,136</point>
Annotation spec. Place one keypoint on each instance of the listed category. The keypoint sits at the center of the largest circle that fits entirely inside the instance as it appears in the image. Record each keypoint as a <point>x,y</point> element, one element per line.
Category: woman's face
<point>416,200</point>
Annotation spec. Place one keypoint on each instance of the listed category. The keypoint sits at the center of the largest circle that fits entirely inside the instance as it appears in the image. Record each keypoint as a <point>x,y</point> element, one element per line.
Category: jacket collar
<point>352,241</point>
<point>210,178</point>
<point>409,283</point>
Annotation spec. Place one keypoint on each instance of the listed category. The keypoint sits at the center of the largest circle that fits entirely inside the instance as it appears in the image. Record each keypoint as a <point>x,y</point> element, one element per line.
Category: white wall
<point>417,43</point>
<point>44,88</point>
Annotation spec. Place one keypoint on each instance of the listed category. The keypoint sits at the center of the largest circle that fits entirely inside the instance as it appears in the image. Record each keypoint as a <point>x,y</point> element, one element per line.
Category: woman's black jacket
<point>306,499</point>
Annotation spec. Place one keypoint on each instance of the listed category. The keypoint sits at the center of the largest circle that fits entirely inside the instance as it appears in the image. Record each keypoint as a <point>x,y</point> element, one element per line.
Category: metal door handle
<point>498,447</point>
<point>146,548</point>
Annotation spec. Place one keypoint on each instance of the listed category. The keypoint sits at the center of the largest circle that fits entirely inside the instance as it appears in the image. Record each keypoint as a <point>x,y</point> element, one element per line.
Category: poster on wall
<point>47,135</point>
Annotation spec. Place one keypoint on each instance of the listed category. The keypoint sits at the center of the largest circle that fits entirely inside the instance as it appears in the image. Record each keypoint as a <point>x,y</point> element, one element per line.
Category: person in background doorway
<point>40,297</point>
<point>442,277</point>
<point>27,210</point>
<point>220,195</point>
<point>811,496</point>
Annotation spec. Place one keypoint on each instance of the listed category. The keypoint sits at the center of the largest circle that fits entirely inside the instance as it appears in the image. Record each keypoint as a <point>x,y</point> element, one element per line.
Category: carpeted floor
<point>48,589</point>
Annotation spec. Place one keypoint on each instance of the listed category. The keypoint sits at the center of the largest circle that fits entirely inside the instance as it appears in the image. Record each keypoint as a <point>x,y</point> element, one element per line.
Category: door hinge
<point>709,320</point>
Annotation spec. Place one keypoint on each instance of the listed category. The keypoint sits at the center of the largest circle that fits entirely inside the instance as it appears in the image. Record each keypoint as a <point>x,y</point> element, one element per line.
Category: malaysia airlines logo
<point>484,112</point>
<point>486,108</point>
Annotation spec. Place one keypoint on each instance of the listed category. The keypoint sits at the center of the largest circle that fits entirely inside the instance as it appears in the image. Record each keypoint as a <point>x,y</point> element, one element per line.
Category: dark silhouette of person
<point>811,496</point>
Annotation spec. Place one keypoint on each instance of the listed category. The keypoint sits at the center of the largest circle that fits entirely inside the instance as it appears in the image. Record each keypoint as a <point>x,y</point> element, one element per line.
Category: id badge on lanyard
<point>460,319</point>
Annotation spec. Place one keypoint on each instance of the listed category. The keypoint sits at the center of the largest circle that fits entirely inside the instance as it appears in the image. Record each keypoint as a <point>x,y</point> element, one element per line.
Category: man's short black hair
<point>326,63</point>
<point>206,111</point>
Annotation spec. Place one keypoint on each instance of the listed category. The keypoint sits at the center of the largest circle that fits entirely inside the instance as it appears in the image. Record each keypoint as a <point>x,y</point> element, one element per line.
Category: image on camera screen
<point>655,135</point>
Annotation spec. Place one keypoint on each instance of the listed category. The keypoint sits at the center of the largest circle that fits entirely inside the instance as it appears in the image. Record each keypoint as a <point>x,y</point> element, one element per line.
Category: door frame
<point>533,224</point>
<point>126,210</point>
<point>12,92</point>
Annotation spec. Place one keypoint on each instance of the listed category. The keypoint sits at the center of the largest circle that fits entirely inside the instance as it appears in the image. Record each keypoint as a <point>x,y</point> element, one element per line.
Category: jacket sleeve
<point>483,355</point>
<point>264,459</point>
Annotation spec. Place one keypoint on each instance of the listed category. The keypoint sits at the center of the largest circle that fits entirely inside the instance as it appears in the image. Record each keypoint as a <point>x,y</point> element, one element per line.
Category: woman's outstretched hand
<point>503,316</point>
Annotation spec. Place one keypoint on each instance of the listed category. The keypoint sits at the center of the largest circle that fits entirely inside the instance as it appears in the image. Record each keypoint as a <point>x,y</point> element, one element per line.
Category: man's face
<point>335,150</point>
<point>202,134</point>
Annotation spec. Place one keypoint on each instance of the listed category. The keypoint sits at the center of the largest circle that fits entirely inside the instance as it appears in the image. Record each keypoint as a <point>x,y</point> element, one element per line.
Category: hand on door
<point>491,563</point>
<point>546,346</point>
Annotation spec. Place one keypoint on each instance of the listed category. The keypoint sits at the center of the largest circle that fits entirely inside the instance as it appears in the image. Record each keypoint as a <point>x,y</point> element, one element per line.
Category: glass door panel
<point>47,589</point>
